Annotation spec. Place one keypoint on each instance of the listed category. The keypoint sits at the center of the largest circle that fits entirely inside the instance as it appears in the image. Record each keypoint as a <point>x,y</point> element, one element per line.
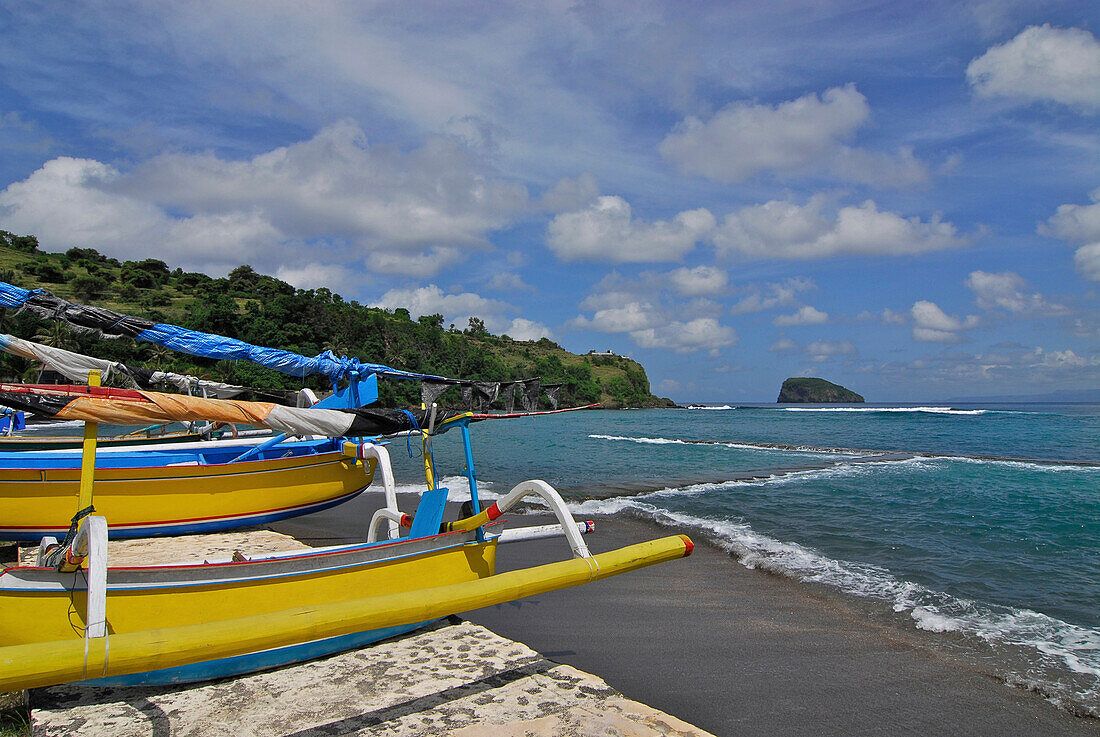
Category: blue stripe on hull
<point>242,664</point>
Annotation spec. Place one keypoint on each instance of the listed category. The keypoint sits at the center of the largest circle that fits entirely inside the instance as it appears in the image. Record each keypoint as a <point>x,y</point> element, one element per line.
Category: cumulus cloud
<point>1005,291</point>
<point>704,333</point>
<point>571,194</point>
<point>625,318</point>
<point>1041,63</point>
<point>635,308</point>
<point>825,350</point>
<point>887,316</point>
<point>699,281</point>
<point>932,325</point>
<point>805,315</point>
<point>312,276</point>
<point>784,229</point>
<point>459,308</point>
<point>772,295</point>
<point>402,212</point>
<point>523,329</point>
<point>607,231</point>
<point>1087,261</point>
<point>803,135</point>
<point>1079,224</point>
<point>783,345</point>
<point>423,263</point>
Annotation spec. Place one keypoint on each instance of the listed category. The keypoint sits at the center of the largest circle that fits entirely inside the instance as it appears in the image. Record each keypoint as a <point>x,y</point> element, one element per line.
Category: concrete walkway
<point>455,678</point>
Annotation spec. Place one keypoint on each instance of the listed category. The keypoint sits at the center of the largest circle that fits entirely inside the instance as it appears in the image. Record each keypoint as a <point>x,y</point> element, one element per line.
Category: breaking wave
<point>1056,658</point>
<point>928,410</point>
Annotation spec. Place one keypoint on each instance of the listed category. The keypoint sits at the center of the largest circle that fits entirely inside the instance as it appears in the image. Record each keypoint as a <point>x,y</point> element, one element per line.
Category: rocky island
<point>809,390</point>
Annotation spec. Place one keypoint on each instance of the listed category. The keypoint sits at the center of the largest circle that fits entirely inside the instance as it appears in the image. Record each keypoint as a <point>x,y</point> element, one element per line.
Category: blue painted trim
<point>252,662</point>
<point>185,528</point>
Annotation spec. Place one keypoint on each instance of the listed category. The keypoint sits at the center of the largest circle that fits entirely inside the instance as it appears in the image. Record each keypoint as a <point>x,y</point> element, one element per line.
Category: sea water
<point>980,523</point>
<point>977,523</point>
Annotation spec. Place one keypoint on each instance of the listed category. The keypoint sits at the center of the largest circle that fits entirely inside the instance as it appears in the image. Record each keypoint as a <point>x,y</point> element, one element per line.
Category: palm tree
<point>55,335</point>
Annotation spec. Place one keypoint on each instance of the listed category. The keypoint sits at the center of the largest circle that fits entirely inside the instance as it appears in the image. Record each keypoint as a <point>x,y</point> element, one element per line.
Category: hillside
<point>812,390</point>
<point>265,311</point>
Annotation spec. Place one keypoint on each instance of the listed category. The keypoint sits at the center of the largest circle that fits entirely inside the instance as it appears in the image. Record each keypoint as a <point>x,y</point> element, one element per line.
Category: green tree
<point>88,288</point>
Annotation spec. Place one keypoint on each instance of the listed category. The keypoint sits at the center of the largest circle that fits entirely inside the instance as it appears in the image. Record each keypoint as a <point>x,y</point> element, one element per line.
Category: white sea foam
<point>704,406</point>
<point>1052,650</point>
<point>458,488</point>
<point>1019,465</point>
<point>727,444</point>
<point>929,410</point>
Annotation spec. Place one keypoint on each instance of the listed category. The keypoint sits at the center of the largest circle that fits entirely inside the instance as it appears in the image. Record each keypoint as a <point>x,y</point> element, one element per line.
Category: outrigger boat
<point>73,618</point>
<point>174,489</point>
<point>75,366</point>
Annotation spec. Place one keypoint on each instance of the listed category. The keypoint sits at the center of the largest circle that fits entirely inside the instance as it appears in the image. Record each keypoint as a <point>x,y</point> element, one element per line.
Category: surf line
<point>889,455</point>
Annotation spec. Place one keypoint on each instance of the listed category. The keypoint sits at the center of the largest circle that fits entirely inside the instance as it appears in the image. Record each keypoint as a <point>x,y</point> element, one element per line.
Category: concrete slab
<point>455,678</point>
<point>187,548</point>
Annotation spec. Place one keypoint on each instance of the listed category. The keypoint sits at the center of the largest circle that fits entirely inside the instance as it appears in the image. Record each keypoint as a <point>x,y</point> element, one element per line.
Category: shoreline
<point>740,651</point>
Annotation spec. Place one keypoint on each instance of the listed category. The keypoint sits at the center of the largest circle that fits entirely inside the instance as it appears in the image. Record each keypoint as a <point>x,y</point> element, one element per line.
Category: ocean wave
<point>705,406</point>
<point>458,488</point>
<point>928,410</point>
<point>1057,658</point>
<point>729,444</point>
<point>1021,464</point>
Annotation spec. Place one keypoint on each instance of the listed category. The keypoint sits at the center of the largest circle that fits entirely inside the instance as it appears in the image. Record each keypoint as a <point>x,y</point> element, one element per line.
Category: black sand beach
<point>742,652</point>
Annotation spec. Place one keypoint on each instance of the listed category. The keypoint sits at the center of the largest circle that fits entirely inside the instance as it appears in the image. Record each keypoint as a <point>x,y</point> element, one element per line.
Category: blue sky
<point>900,197</point>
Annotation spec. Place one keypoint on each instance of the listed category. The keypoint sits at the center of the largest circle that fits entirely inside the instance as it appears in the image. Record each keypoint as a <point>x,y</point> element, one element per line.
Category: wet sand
<point>738,651</point>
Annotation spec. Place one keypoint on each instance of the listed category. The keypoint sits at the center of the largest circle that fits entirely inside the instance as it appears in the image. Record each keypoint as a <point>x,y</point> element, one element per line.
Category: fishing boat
<point>75,366</point>
<point>179,623</point>
<point>169,490</point>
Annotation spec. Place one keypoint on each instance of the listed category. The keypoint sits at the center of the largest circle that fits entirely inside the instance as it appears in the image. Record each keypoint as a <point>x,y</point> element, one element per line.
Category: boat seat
<point>429,513</point>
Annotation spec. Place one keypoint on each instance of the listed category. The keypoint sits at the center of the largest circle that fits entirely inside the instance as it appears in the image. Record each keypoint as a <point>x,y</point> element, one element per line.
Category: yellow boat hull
<point>429,586</point>
<point>139,502</point>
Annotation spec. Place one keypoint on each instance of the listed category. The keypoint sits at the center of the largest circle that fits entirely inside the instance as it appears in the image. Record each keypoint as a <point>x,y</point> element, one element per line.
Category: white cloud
<point>507,281</point>
<point>404,212</point>
<point>802,135</point>
<point>783,345</point>
<point>423,264</point>
<point>1080,223</point>
<point>571,194</point>
<point>312,276</point>
<point>878,169</point>
<point>1005,290</point>
<point>455,308</point>
<point>932,325</point>
<point>699,281</point>
<point>886,317</point>
<point>772,295</point>
<point>624,306</point>
<point>784,229</point>
<point>744,139</point>
<point>522,329</point>
<point>625,318</point>
<point>825,350</point>
<point>1041,63</point>
<point>806,315</point>
<point>1087,261</point>
<point>704,333</point>
<point>606,231</point>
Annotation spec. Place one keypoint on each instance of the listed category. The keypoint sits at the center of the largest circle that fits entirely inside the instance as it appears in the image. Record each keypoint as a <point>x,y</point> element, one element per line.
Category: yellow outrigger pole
<point>87,459</point>
<point>62,557</point>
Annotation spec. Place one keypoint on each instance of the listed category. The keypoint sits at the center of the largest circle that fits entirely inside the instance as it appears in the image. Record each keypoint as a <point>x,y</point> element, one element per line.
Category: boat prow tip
<point>689,546</point>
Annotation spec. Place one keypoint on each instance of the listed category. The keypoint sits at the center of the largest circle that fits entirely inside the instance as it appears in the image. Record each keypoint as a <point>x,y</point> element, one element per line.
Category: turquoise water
<point>978,522</point>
